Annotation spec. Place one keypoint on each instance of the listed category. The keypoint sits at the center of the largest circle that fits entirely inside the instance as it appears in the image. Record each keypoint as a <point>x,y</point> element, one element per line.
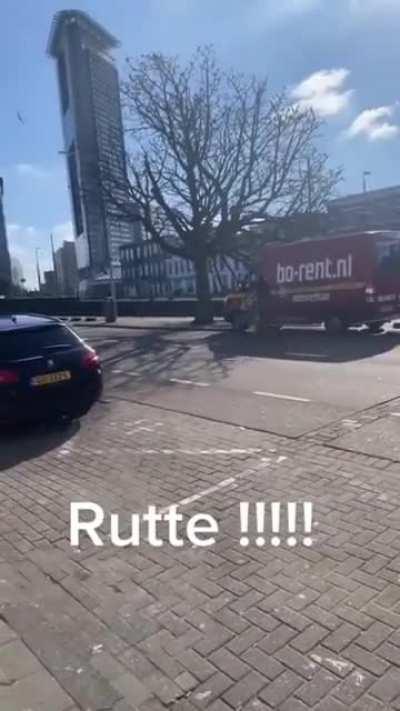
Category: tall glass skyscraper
<point>93,138</point>
<point>5,266</point>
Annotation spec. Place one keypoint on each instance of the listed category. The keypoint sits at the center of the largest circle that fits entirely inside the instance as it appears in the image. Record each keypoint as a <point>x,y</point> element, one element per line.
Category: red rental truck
<point>340,280</point>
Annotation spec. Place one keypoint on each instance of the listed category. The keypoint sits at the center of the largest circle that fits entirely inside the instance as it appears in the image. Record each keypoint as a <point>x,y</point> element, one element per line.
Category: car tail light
<point>9,377</point>
<point>91,361</point>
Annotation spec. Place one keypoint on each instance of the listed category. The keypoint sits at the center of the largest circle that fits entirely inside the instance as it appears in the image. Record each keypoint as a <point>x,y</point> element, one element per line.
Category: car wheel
<point>335,325</point>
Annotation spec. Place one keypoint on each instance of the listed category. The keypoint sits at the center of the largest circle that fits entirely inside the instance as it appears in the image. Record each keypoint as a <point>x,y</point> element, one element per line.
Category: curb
<point>98,322</point>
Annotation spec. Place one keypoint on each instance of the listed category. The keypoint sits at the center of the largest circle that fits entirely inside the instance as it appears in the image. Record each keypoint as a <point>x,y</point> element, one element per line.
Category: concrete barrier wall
<point>126,307</point>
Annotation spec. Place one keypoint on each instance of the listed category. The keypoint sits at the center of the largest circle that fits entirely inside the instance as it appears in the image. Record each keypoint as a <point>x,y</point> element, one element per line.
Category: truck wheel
<point>240,321</point>
<point>335,325</point>
<point>375,327</point>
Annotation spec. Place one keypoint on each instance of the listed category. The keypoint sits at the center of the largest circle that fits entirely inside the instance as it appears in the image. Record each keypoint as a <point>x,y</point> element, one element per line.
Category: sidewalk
<point>226,628</point>
<point>154,322</point>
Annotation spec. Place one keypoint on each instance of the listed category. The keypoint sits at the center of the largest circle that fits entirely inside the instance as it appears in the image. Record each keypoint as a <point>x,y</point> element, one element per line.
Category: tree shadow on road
<point>159,356</point>
<point>303,345</point>
<point>24,442</point>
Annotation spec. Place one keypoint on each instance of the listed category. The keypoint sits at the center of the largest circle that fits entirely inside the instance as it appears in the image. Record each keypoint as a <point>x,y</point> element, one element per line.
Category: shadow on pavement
<point>303,344</point>
<point>159,356</point>
<point>19,444</point>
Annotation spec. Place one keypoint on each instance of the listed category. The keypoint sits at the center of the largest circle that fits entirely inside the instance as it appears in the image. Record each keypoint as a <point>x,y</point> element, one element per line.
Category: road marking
<point>231,481</point>
<point>306,355</point>
<point>278,396</point>
<point>206,492</point>
<point>125,372</point>
<point>188,382</point>
<point>197,452</point>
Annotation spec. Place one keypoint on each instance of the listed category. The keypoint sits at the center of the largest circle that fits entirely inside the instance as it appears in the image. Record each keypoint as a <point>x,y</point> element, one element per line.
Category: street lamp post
<point>112,312</point>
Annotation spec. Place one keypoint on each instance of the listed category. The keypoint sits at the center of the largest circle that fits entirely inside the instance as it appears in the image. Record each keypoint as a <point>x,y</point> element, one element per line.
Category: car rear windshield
<point>34,342</point>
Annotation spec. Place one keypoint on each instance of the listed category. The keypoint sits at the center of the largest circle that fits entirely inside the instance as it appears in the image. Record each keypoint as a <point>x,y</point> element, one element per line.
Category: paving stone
<point>16,662</point>
<point>6,633</point>
<point>330,704</point>
<point>229,664</point>
<point>131,688</point>
<point>299,663</point>
<point>245,689</point>
<point>38,691</point>
<point>320,685</point>
<point>341,637</point>
<point>354,686</point>
<point>210,690</point>
<point>366,660</point>
<point>266,664</point>
<point>374,636</point>
<point>387,687</point>
<point>277,639</point>
<point>186,681</point>
<point>281,688</point>
<point>369,704</point>
<point>309,638</point>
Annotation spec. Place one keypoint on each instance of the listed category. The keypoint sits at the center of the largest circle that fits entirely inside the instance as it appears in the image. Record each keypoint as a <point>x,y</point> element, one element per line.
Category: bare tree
<point>211,153</point>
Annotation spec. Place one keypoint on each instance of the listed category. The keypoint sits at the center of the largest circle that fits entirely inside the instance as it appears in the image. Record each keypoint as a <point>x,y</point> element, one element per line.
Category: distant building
<point>5,264</point>
<point>375,209</point>
<point>17,272</point>
<point>66,278</point>
<point>93,138</point>
<point>143,270</point>
<point>148,272</point>
<point>48,286</point>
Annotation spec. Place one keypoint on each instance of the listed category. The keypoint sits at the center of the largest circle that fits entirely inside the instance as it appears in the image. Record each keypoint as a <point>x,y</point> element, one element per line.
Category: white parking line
<point>199,452</point>
<point>188,382</point>
<point>231,481</point>
<point>278,396</point>
<point>125,372</point>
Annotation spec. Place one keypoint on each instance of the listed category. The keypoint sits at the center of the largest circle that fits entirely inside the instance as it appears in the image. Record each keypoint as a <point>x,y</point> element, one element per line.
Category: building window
<point>62,73</point>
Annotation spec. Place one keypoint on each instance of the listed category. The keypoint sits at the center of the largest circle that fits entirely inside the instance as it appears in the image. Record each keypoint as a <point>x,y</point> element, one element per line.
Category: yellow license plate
<point>51,378</point>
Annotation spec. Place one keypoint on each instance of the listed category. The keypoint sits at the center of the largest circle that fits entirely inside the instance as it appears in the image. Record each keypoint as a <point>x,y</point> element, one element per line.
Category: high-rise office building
<point>66,273</point>
<point>93,138</point>
<point>5,265</point>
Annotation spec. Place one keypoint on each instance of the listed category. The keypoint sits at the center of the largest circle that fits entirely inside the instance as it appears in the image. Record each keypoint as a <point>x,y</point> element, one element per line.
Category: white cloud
<point>375,124</point>
<point>23,241</point>
<point>32,170</point>
<point>324,92</point>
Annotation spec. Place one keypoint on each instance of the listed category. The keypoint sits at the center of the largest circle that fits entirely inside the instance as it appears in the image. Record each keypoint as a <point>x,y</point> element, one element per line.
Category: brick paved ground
<point>184,629</point>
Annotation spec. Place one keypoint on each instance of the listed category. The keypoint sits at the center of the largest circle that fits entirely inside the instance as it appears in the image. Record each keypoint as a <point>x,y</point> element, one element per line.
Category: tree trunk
<point>204,308</point>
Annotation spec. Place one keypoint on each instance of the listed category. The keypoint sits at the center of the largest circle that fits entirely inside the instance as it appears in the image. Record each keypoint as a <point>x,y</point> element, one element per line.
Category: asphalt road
<point>290,384</point>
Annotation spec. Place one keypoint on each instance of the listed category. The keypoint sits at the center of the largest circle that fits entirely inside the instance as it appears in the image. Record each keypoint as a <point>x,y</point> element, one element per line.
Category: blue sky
<point>340,56</point>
